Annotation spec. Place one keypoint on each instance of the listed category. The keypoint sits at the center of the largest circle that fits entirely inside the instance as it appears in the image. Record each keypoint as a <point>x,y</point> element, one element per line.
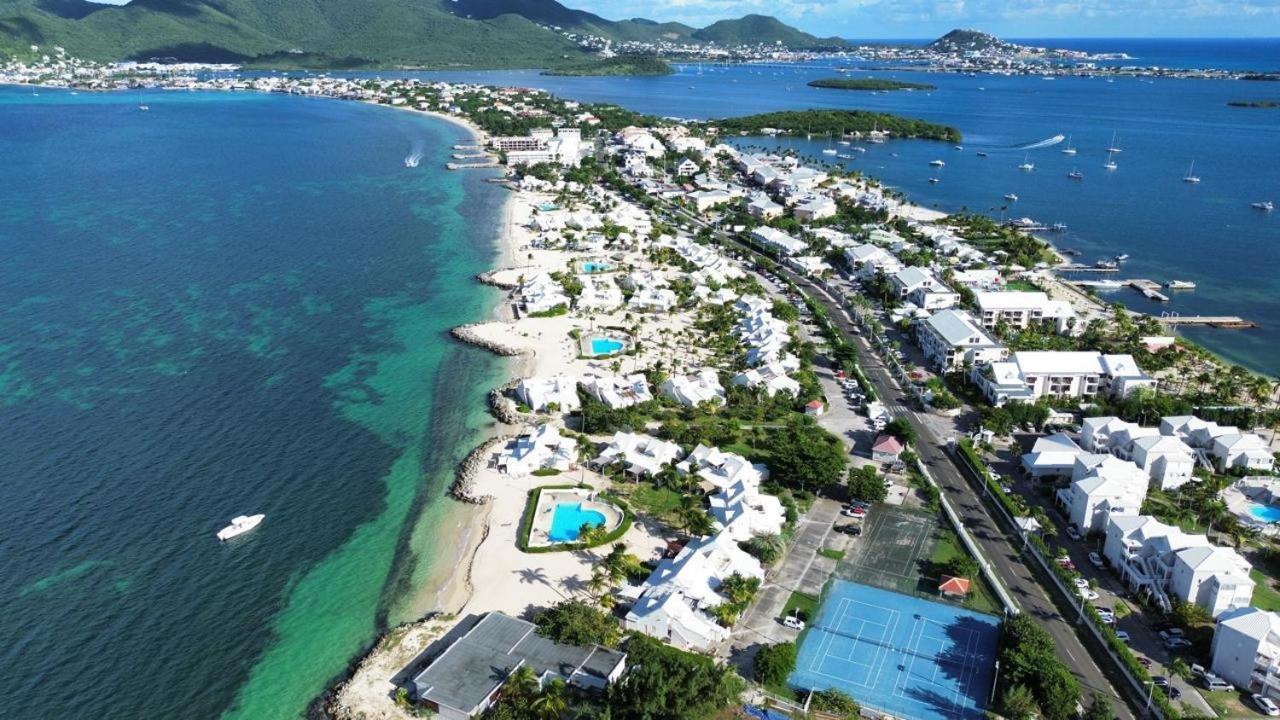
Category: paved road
<point>1001,550</point>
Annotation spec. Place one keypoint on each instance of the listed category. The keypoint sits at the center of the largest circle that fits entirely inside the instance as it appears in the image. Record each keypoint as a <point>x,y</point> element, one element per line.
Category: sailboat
<point>1026,164</point>
<point>1075,174</point>
<point>1191,176</point>
<point>830,149</point>
<point>1113,148</point>
<point>1068,150</point>
<point>1110,164</point>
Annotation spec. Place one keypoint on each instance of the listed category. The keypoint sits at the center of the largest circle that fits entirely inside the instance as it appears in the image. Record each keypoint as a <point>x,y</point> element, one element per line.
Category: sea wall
<point>504,408</point>
<point>464,482</point>
<point>468,334</point>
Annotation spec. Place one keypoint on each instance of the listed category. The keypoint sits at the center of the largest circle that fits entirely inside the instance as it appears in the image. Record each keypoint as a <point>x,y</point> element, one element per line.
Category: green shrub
<point>774,663</point>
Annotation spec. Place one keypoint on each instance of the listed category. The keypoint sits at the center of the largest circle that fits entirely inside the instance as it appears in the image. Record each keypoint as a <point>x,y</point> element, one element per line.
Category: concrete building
<point>1029,376</point>
<point>779,241</point>
<point>951,338</point>
<point>1246,650</point>
<point>695,389</point>
<point>465,679</point>
<point>543,393</point>
<point>1102,490</point>
<point>1021,309</point>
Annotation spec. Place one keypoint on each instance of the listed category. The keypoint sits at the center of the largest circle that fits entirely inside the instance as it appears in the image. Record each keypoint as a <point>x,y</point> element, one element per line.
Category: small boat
<point>1075,175</point>
<point>1113,148</point>
<point>1058,227</point>
<point>934,181</point>
<point>1264,206</point>
<point>144,108</point>
<point>843,142</point>
<point>859,149</point>
<point>1026,165</point>
<point>1011,197</point>
<point>1180,285</point>
<point>980,154</point>
<point>411,161</point>
<point>1069,149</point>
<point>1110,164</point>
<point>1106,264</point>
<point>937,163</point>
<point>1121,257</point>
<point>240,525</point>
<point>1191,176</point>
<point>959,147</point>
<point>828,151</point>
<point>1026,223</point>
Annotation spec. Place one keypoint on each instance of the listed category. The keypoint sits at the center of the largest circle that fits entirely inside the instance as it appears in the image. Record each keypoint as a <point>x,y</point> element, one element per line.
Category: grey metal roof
<point>468,671</point>
<point>953,328</point>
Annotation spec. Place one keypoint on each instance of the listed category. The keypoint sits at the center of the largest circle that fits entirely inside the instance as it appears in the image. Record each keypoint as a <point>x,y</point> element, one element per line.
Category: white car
<point>794,622</point>
<point>1081,583</point>
<point>1087,594</point>
<point>1122,636</point>
<point>1095,560</point>
<point>1072,532</point>
<point>1266,705</point>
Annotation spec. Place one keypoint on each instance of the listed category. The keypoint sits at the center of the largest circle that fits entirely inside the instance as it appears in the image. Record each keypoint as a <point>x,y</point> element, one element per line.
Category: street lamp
<point>995,681</point>
<point>1151,688</point>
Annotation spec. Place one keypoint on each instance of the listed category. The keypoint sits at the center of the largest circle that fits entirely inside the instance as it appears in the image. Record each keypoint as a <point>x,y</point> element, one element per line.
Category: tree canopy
<point>663,683</point>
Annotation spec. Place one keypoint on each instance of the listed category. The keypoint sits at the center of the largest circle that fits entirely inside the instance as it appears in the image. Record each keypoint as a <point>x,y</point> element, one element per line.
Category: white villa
<point>1052,455</point>
<point>925,291</point>
<point>1165,562</point>
<point>599,294</point>
<point>1028,376</point>
<point>653,300</point>
<point>695,389</point>
<point>867,260</point>
<point>673,602</point>
<point>1168,461</point>
<point>541,393</point>
<point>1246,650</point>
<point>543,448</point>
<point>617,391</point>
<point>640,455</point>
<point>1102,487</point>
<point>773,378</point>
<point>541,293</point>
<point>779,241</point>
<point>951,338</point>
<point>1241,450</point>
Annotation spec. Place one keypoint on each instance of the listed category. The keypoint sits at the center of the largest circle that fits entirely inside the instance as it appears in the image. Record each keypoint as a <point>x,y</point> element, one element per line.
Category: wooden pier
<point>468,147</point>
<point>1078,268</point>
<point>1149,288</point>
<point>469,156</point>
<point>1232,322</point>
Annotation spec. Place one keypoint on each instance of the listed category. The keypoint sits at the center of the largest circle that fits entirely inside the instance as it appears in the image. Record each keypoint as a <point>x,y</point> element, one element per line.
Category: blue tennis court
<point>911,657</point>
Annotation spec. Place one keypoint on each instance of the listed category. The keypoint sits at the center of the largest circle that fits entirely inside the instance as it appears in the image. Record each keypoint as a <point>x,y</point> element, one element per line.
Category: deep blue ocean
<point>229,304</point>
<point>1205,233</point>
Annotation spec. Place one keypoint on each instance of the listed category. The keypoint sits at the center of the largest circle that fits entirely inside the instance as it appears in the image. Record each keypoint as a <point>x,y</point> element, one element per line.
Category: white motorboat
<point>1012,197</point>
<point>934,181</point>
<point>937,163</point>
<point>1264,206</point>
<point>240,525</point>
<point>828,151</point>
<point>1075,175</point>
<point>1180,285</point>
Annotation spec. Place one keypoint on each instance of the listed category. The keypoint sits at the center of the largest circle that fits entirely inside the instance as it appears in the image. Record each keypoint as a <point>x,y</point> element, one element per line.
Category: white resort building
<point>1246,650</point>
<point>951,338</point>
<point>1029,376</point>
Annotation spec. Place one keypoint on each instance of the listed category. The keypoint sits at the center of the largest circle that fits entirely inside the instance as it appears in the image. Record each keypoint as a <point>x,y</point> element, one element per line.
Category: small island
<point>1254,103</point>
<point>839,83</point>
<point>615,66</point>
<point>834,122</point>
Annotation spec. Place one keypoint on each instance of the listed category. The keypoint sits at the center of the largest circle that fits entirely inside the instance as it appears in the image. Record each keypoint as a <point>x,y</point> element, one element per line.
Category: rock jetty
<point>468,334</point>
<point>464,482</point>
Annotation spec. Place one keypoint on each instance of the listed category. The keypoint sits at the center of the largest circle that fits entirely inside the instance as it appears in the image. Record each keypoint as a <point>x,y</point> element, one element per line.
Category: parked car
<point>1170,633</point>
<point>1160,681</point>
<point>1087,594</point>
<point>794,622</point>
<point>853,512</point>
<point>1095,560</point>
<point>1265,705</point>
<point>1176,643</point>
<point>1122,636</point>
<point>1143,661</point>
<point>1173,693</point>
<point>1197,670</point>
<point>850,529</point>
<point>1066,562</point>
<point>858,504</point>
<point>1081,582</point>
<point>1106,616</point>
<point>1073,533</point>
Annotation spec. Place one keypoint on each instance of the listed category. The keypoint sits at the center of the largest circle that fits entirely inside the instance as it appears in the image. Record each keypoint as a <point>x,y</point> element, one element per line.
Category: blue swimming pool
<point>596,267</point>
<point>547,207</point>
<point>1265,513</point>
<point>568,520</point>
<point>605,346</point>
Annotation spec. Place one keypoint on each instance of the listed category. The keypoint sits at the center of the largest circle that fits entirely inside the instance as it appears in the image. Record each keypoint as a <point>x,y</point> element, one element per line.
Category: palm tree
<point>521,684</point>
<point>551,704</point>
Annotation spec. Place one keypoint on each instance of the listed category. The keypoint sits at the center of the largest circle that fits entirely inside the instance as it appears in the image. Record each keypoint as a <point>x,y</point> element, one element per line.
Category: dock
<point>1230,322</point>
<point>469,156</point>
<point>1149,288</point>
<point>468,147</point>
<point>1077,267</point>
<point>472,166</point>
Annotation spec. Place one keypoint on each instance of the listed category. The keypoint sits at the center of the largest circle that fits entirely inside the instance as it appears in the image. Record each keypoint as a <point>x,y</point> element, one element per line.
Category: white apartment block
<point>1022,309</point>
<point>951,338</point>
<point>1246,650</point>
<point>1029,376</point>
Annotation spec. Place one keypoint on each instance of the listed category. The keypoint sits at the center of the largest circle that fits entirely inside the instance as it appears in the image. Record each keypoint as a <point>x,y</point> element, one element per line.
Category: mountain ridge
<point>340,33</point>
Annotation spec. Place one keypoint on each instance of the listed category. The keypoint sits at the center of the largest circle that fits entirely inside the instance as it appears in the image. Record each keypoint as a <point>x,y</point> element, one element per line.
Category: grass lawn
<point>649,499</point>
<point>806,604</point>
<point>1265,597</point>
<point>981,598</point>
<point>1022,285</point>
<point>833,554</point>
<point>1230,705</point>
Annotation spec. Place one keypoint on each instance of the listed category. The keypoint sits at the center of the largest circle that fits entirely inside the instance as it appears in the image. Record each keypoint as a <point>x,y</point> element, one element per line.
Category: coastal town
<point>777,440</point>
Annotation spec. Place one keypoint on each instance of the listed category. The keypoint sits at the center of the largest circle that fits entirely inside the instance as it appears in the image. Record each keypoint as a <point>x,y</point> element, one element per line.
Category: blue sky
<point>1007,18</point>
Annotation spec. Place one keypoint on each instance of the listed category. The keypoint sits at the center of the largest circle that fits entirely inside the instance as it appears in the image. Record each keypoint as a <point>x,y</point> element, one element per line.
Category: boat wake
<point>1047,142</point>
<point>412,160</point>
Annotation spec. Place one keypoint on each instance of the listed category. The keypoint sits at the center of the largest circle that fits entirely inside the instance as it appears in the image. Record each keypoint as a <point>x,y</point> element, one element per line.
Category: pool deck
<point>1241,496</point>
<point>539,531</point>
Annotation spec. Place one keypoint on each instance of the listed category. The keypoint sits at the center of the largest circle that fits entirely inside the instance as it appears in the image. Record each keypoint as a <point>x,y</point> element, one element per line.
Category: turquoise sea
<point>1205,233</point>
<point>229,304</point>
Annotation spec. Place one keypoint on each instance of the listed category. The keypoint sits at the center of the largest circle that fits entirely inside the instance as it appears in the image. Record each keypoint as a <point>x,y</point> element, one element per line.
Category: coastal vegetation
<point>663,683</point>
<point>574,622</point>
<point>615,66</point>
<point>833,122</point>
<point>847,83</point>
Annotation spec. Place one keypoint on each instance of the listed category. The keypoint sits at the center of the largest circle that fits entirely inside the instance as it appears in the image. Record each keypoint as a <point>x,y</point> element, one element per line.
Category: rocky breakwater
<point>505,409</point>
<point>470,334</point>
<point>464,481</point>
<point>507,278</point>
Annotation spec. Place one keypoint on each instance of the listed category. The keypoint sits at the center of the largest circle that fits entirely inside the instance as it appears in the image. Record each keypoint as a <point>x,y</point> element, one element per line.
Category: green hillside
<point>757,29</point>
<point>350,33</point>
